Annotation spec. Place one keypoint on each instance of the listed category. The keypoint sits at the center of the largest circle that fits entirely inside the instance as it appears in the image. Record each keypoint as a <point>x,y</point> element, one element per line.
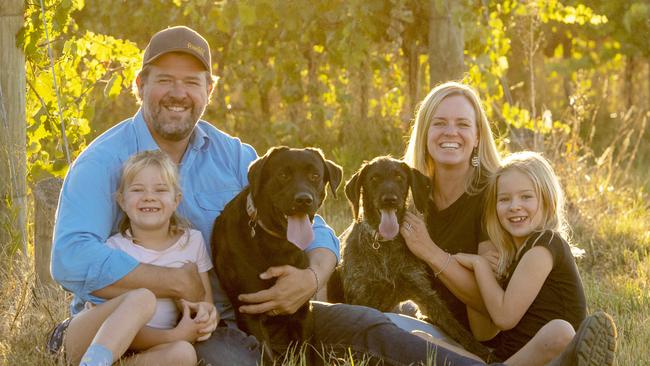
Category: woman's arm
<point>506,308</point>
<point>458,279</point>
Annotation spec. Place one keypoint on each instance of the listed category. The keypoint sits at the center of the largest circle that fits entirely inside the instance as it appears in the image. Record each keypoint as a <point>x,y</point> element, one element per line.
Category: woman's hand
<point>415,234</point>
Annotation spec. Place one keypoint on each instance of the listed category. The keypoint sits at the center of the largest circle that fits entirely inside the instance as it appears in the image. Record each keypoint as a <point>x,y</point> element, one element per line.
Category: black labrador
<point>377,269</point>
<point>269,224</point>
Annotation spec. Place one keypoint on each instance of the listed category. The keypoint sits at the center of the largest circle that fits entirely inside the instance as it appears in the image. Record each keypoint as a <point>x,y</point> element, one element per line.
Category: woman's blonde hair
<point>550,200</point>
<point>417,154</point>
<point>169,173</point>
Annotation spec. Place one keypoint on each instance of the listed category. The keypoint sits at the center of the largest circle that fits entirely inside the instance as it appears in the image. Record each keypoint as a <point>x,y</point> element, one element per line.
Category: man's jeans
<point>364,331</point>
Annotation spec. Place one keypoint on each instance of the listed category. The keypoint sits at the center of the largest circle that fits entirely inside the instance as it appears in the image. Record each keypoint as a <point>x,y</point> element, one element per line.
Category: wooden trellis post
<point>46,198</point>
<point>12,128</point>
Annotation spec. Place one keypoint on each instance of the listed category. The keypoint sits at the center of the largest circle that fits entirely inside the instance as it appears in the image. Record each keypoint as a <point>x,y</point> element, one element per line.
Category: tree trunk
<point>364,80</point>
<point>13,128</point>
<point>413,57</point>
<point>446,42</point>
<point>46,198</point>
<point>628,80</point>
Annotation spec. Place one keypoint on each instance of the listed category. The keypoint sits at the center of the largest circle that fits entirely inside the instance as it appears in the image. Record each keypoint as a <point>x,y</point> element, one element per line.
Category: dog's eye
<point>399,178</point>
<point>315,177</point>
<point>283,176</point>
<point>374,179</point>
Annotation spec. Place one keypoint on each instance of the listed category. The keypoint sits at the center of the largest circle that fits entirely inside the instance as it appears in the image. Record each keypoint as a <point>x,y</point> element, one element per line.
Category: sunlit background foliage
<point>342,75</point>
<point>569,78</point>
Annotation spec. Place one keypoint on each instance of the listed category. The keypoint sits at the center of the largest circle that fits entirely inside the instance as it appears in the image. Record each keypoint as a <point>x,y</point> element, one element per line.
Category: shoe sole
<point>597,345</point>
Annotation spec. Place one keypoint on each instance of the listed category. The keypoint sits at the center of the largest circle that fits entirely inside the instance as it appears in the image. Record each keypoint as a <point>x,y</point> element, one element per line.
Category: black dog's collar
<point>251,210</point>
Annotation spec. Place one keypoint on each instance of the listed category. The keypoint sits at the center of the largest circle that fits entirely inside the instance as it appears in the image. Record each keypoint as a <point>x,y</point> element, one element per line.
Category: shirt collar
<point>142,135</point>
<point>198,141</point>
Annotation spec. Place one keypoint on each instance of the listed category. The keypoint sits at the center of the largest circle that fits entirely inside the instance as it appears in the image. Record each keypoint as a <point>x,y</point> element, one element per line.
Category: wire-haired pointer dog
<point>270,224</point>
<point>377,269</point>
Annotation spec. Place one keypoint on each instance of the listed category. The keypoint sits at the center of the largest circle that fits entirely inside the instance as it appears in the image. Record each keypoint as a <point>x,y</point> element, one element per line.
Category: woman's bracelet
<point>316,278</point>
<point>436,274</point>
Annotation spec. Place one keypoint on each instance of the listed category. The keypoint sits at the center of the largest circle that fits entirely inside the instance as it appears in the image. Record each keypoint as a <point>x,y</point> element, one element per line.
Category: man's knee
<point>347,315</point>
<point>228,346</point>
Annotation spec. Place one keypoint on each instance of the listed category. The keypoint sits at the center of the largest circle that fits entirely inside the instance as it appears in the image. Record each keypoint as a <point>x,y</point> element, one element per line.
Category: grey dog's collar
<point>251,211</point>
<point>377,239</point>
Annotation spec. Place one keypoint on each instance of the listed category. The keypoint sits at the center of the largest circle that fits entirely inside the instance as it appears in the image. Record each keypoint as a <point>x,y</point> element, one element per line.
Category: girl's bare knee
<point>142,300</point>
<point>182,353</point>
<point>560,335</point>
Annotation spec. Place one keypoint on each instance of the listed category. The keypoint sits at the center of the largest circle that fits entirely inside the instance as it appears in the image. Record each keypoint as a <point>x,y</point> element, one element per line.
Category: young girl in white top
<point>534,316</point>
<point>159,331</point>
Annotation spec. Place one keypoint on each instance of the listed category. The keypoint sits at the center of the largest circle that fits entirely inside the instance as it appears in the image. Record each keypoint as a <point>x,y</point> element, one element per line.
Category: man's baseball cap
<point>178,39</point>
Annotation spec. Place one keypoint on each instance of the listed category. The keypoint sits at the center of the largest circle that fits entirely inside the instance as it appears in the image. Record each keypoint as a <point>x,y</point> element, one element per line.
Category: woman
<point>452,143</point>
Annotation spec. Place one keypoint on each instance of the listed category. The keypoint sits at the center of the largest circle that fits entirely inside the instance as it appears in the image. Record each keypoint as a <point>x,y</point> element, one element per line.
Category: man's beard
<point>174,128</point>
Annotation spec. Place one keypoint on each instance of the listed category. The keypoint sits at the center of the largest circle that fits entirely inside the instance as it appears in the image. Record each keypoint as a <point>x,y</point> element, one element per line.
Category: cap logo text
<point>196,48</point>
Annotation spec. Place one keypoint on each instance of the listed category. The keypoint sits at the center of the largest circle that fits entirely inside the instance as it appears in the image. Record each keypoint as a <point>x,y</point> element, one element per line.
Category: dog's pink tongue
<point>388,227</point>
<point>299,231</point>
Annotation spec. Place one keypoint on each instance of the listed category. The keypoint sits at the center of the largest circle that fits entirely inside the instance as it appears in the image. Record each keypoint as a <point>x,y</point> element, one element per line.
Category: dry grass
<point>608,211</point>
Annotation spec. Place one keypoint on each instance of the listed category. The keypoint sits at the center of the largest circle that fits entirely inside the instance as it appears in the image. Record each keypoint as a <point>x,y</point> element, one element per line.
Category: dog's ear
<point>353,191</point>
<point>334,175</point>
<point>420,188</point>
<point>333,172</point>
<point>256,169</point>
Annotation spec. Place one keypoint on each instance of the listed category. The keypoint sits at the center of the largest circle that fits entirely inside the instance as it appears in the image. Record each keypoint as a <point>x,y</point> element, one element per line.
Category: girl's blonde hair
<point>169,173</point>
<point>417,155</point>
<point>550,200</point>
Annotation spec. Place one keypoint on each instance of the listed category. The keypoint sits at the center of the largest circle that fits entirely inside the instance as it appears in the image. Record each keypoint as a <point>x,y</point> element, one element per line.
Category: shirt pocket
<point>215,200</point>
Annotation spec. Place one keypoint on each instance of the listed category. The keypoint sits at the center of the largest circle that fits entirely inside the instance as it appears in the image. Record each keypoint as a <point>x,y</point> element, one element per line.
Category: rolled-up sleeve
<point>324,237</point>
<point>81,262</point>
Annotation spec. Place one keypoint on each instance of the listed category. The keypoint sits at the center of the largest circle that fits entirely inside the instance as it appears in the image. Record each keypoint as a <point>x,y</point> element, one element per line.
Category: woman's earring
<point>476,161</point>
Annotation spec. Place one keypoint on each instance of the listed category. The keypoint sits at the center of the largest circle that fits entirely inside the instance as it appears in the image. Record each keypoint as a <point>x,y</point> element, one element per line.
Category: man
<point>174,87</point>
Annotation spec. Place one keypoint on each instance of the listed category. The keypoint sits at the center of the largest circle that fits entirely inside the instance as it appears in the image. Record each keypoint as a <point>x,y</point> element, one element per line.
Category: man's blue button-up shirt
<point>213,171</point>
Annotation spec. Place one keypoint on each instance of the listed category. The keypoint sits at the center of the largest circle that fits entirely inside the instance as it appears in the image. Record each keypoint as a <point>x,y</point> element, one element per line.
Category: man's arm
<point>184,282</point>
<point>291,289</point>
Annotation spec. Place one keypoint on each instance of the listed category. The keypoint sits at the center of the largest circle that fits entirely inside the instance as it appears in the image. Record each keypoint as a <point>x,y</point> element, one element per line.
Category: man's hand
<point>189,284</point>
<point>204,315</point>
<point>292,289</point>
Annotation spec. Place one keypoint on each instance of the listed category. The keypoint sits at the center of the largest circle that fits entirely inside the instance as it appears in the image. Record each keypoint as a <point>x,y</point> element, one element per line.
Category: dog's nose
<point>303,198</point>
<point>389,200</point>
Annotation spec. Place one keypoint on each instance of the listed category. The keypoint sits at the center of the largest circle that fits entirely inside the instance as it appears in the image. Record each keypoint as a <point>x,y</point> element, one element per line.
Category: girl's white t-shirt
<point>190,247</point>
